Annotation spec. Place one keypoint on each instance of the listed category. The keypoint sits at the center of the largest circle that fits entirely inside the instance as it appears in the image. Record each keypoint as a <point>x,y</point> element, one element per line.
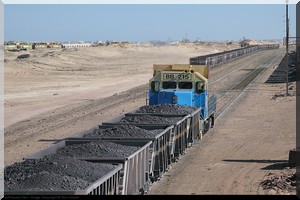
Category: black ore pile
<point>167,109</point>
<point>97,149</point>
<point>149,119</point>
<point>53,173</point>
<point>124,131</point>
<point>45,181</point>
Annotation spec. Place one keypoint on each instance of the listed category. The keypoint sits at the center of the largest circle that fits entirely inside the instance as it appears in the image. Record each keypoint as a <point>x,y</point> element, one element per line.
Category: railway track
<point>243,77</point>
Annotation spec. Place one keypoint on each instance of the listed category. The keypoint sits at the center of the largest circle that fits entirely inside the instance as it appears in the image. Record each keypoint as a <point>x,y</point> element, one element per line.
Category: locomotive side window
<point>185,85</point>
<point>169,85</point>
<point>155,86</point>
<point>199,86</point>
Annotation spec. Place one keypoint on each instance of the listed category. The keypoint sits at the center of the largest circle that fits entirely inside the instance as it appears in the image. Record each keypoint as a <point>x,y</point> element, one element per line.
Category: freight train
<point>126,155</point>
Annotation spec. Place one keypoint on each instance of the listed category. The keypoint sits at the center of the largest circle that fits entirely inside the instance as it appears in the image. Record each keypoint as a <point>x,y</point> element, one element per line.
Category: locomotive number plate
<point>169,76</point>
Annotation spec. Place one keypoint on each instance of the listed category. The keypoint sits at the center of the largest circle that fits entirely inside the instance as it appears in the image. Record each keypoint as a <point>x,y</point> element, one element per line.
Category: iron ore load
<point>126,155</point>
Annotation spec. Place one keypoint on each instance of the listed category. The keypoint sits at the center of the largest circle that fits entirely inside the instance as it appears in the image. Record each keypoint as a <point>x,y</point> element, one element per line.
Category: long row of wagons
<point>120,157</point>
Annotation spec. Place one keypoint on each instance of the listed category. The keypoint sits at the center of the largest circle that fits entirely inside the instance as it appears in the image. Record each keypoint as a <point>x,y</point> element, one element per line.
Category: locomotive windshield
<point>173,85</point>
<point>169,85</point>
<point>185,85</point>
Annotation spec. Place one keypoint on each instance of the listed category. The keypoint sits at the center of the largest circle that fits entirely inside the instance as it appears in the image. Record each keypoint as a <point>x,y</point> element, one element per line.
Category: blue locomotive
<point>183,85</point>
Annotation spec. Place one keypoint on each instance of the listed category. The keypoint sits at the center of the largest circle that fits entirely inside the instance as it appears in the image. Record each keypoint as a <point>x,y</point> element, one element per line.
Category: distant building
<point>39,45</point>
<point>17,46</point>
<point>25,46</point>
<point>76,45</point>
<point>245,43</point>
<point>116,42</point>
<point>53,45</point>
<point>98,43</point>
<point>10,46</point>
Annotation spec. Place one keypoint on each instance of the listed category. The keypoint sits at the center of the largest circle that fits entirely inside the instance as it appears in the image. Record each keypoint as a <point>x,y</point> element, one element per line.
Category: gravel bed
<point>124,131</point>
<point>97,149</point>
<point>149,119</point>
<point>167,109</point>
<point>61,173</point>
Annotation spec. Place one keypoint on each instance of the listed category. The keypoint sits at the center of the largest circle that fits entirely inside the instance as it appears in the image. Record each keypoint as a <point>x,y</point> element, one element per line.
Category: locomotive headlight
<point>175,99</point>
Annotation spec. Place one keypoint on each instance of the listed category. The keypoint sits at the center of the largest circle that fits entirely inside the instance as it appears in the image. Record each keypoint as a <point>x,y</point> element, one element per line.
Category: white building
<point>76,45</point>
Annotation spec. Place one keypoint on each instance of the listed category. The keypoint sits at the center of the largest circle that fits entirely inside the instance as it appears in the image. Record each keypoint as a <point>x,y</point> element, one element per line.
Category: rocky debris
<point>149,119</point>
<point>22,56</point>
<point>167,109</point>
<point>97,149</point>
<point>49,54</point>
<point>60,173</point>
<point>277,95</point>
<point>282,184</point>
<point>281,95</point>
<point>124,131</point>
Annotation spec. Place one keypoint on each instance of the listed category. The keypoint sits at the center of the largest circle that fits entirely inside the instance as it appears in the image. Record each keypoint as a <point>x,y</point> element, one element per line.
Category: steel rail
<point>254,70</point>
<point>230,72</point>
<point>241,91</point>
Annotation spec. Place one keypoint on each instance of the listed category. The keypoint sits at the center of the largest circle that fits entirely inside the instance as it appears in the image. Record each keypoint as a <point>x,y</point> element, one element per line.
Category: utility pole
<point>287,48</point>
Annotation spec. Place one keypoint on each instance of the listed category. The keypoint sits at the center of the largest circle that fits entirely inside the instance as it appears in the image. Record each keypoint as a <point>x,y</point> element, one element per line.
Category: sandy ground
<point>58,93</point>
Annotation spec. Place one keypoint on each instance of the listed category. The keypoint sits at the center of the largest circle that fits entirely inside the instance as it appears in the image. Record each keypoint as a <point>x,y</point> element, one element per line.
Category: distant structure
<point>10,46</point>
<point>245,43</point>
<point>41,45</point>
<point>76,45</point>
<point>116,43</point>
<point>17,46</point>
<point>54,45</point>
<point>97,43</point>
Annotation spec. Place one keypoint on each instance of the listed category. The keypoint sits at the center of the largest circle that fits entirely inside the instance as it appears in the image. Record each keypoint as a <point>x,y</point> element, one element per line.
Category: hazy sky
<point>88,22</point>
